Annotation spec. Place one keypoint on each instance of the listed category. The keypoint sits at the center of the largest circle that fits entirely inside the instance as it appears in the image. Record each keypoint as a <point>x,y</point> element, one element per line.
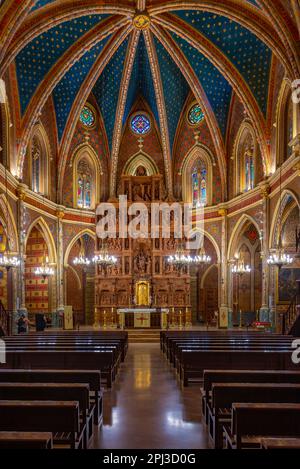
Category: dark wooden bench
<point>26,440</point>
<point>194,363</point>
<point>58,417</point>
<point>67,359</point>
<point>252,422</point>
<point>92,377</point>
<point>55,392</point>
<point>225,394</point>
<point>280,443</point>
<point>243,376</point>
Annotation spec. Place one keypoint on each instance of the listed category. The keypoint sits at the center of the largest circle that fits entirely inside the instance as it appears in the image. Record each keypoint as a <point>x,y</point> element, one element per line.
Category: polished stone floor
<point>147,408</point>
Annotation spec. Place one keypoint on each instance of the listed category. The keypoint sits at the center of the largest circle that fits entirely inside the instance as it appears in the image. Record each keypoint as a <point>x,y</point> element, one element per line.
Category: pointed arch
<point>39,154</point>
<point>5,124</point>
<point>85,155</point>
<point>285,128</point>
<point>287,194</point>
<point>244,221</point>
<point>43,227</point>
<point>10,225</point>
<point>79,235</point>
<point>198,153</point>
<point>245,138</point>
<point>140,159</point>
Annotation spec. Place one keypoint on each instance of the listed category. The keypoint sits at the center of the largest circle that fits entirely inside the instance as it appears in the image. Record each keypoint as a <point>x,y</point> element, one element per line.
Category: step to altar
<point>136,336</point>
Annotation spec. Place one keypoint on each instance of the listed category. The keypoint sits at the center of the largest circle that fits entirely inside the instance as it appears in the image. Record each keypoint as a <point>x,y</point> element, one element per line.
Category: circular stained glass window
<point>140,124</point>
<point>87,117</point>
<point>195,115</point>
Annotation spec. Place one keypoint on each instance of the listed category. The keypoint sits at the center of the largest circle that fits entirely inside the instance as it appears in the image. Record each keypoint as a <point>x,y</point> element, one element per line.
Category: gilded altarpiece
<point>142,275</point>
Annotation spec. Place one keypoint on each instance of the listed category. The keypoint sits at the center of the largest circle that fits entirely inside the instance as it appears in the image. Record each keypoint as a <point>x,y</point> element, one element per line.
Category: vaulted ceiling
<point>161,50</point>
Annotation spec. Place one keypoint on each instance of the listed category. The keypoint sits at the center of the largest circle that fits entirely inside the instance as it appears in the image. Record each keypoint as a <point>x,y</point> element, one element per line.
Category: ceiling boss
<point>141,21</point>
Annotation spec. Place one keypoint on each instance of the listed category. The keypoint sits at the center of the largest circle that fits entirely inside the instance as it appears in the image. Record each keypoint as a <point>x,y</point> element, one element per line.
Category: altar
<point>142,317</point>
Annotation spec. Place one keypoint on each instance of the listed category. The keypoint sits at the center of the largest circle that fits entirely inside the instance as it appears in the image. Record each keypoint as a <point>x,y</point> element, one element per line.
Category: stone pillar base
<point>224,317</point>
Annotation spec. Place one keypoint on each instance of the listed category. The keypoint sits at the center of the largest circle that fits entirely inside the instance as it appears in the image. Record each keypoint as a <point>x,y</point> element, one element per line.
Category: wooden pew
<point>243,376</point>
<point>225,394</point>
<point>55,392</point>
<point>195,362</point>
<point>92,377</point>
<point>24,358</point>
<point>26,440</point>
<point>251,422</point>
<point>280,443</point>
<point>58,417</point>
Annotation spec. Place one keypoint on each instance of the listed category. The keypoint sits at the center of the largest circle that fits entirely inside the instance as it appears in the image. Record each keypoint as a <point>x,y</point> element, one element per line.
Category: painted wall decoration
<point>287,285</point>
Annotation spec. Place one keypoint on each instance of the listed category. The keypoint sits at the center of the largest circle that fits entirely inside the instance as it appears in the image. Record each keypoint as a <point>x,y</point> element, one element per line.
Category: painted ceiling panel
<point>141,82</point>
<point>216,87</point>
<point>37,58</point>
<point>65,92</point>
<point>41,3</point>
<point>175,88</point>
<point>249,55</point>
<point>106,90</point>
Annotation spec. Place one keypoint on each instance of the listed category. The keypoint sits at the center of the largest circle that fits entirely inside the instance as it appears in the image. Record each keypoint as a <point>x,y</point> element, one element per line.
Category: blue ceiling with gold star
<point>247,53</point>
<point>36,59</point>
<point>66,91</point>
<point>141,82</point>
<point>106,90</point>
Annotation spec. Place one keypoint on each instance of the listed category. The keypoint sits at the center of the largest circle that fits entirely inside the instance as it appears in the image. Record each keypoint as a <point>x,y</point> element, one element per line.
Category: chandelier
<point>104,259</point>
<point>45,270</point>
<point>81,259</point>
<point>7,259</point>
<point>240,268</point>
<point>180,260</point>
<point>279,258</point>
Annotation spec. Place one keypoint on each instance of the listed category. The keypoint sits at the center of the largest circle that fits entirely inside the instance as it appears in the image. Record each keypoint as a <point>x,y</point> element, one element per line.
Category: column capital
<point>223,212</point>
<point>265,189</point>
<point>60,212</point>
<point>22,191</point>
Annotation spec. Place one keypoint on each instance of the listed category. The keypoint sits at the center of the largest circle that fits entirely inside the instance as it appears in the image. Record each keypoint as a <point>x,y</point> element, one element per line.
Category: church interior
<point>185,105</point>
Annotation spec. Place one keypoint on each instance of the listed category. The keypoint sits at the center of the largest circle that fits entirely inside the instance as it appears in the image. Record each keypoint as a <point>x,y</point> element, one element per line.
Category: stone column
<point>60,263</point>
<point>265,314</point>
<point>19,275</point>
<point>224,312</point>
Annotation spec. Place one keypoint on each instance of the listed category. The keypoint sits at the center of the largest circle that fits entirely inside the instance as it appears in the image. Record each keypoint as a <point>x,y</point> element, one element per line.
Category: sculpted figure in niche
<point>141,171</point>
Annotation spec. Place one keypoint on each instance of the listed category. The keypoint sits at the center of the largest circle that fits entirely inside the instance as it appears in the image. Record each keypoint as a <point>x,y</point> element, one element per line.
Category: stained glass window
<point>36,155</point>
<point>249,169</point>
<point>140,124</point>
<point>289,127</point>
<point>84,184</point>
<point>199,184</point>
<point>195,115</point>
<point>87,117</point>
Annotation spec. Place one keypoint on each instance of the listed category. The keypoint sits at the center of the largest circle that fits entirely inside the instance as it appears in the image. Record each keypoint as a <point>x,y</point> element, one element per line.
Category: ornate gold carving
<point>265,191</point>
<point>141,22</point>
<point>21,191</point>
<point>223,212</point>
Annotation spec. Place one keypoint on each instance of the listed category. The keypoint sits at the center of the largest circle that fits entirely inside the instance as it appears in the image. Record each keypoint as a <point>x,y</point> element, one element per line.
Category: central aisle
<point>147,409</point>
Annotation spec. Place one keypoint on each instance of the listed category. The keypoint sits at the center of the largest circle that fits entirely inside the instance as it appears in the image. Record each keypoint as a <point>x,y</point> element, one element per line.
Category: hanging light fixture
<point>279,258</point>
<point>240,268</point>
<point>81,259</point>
<point>45,270</point>
<point>7,259</point>
<point>104,259</point>
<point>181,260</point>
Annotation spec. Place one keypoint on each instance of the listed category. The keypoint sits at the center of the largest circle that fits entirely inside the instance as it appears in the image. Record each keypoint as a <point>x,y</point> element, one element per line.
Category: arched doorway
<point>38,298</point>
<point>80,281</point>
<point>204,288</point>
